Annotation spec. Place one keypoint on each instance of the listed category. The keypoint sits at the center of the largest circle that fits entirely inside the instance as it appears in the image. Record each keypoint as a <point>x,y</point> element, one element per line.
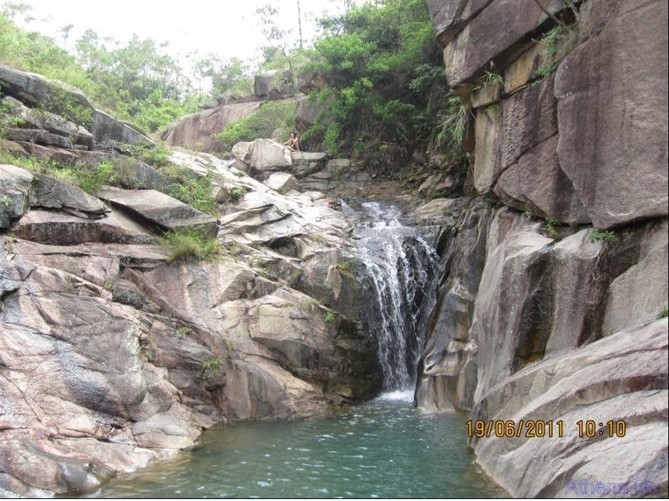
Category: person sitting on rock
<point>293,144</point>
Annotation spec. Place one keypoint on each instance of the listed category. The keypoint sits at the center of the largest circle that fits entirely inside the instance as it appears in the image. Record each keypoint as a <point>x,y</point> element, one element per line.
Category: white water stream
<point>400,286</point>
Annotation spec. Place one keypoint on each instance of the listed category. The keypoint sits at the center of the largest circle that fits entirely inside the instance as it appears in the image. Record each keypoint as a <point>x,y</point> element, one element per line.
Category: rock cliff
<point>554,301</point>
<point>113,351</point>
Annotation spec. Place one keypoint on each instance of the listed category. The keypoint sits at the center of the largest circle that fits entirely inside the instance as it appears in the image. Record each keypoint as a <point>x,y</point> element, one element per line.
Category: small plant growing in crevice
<point>232,248</point>
<point>490,78</point>
<point>552,227</point>
<point>547,69</point>
<point>191,245</point>
<point>237,192</point>
<point>210,369</point>
<point>330,317</point>
<point>269,271</point>
<point>183,330</point>
<point>607,236</point>
<point>345,267</point>
<point>453,126</point>
<point>553,39</point>
<point>664,313</point>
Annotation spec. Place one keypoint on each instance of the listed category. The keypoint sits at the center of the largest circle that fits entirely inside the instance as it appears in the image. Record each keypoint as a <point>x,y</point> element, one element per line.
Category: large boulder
<point>33,89</point>
<point>263,156</point>
<point>274,84</point>
<point>305,163</point>
<point>282,182</point>
<point>108,132</point>
<point>15,191</point>
<point>45,120</point>
<point>51,193</point>
<point>621,379</point>
<point>479,41</point>
<point>57,228</point>
<point>21,189</point>
<point>128,171</point>
<point>56,97</point>
<point>161,209</point>
<point>197,131</point>
<point>612,113</point>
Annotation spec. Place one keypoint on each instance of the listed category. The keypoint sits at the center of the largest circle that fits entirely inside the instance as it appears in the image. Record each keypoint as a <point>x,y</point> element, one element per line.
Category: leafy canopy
<point>381,62</point>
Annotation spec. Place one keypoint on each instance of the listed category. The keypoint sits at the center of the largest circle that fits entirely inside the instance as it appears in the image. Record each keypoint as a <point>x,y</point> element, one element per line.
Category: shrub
<point>191,189</point>
<point>453,126</point>
<point>63,103</point>
<point>237,192</point>
<point>197,194</point>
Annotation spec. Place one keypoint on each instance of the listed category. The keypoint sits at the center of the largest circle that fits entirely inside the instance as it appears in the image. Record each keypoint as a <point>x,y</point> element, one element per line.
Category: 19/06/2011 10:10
<point>510,428</point>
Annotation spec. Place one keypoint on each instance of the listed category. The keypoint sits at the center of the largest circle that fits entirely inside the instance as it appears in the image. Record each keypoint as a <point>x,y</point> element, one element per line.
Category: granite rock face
<point>612,114</point>
<point>195,132</point>
<point>619,379</point>
<point>112,357</point>
<point>547,317</point>
<point>100,131</point>
<point>518,305</point>
<point>571,109</point>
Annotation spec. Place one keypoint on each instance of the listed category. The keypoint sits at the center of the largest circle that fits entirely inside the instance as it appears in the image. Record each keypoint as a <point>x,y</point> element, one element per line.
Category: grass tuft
<point>190,246</point>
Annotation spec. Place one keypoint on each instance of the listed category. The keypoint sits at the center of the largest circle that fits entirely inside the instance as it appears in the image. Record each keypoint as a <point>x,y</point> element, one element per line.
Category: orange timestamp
<point>539,428</point>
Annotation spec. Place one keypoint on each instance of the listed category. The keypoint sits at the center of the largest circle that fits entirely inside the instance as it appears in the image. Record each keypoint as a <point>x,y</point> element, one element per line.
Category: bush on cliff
<point>268,118</point>
<point>381,63</point>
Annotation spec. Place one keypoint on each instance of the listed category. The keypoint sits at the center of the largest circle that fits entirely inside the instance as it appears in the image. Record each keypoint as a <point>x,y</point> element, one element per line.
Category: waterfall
<point>399,289</point>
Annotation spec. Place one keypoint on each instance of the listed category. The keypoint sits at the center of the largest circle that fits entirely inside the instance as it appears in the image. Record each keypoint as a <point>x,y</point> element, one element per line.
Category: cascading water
<point>360,452</point>
<point>399,286</point>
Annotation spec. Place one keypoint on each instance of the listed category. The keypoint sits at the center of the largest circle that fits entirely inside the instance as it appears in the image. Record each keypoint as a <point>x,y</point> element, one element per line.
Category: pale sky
<point>224,27</point>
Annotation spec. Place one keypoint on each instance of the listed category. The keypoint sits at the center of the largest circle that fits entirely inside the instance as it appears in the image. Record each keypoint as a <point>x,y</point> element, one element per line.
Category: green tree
<point>227,76</point>
<point>380,60</point>
<point>137,81</point>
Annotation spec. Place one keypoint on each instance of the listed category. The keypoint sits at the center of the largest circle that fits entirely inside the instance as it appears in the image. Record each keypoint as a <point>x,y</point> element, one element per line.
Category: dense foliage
<point>135,82</point>
<point>385,95</point>
<point>381,64</point>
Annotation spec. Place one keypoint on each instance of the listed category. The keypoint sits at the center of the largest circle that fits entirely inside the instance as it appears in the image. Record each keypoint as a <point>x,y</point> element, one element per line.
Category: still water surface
<point>384,448</point>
